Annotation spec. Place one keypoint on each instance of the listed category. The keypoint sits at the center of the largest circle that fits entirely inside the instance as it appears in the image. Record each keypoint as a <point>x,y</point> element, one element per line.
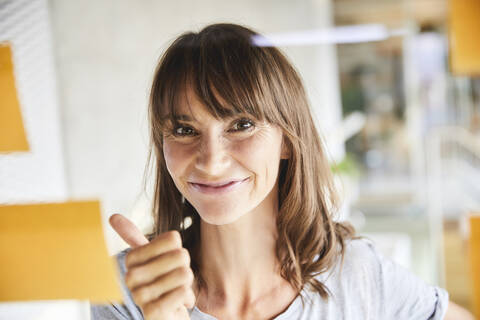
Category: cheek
<point>260,154</point>
<point>176,157</point>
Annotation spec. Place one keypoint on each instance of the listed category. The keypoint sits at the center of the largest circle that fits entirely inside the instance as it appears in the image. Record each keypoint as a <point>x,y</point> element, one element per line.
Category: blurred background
<point>394,86</point>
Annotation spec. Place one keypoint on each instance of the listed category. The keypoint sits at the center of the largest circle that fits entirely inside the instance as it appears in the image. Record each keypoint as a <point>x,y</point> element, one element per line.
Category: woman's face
<point>225,168</point>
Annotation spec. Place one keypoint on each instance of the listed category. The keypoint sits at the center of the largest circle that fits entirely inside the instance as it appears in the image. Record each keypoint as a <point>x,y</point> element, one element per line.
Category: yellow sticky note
<point>464,27</point>
<point>55,251</point>
<point>12,133</point>
<point>475,260</point>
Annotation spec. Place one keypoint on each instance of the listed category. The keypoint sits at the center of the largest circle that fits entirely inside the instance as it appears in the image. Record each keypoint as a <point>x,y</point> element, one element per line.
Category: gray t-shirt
<point>367,286</point>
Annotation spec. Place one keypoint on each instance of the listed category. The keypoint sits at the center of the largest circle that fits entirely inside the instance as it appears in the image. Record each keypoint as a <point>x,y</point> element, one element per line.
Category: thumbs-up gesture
<point>158,272</point>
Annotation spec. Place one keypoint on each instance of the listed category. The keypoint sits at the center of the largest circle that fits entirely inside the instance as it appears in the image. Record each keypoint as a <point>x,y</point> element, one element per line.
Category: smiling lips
<point>217,188</point>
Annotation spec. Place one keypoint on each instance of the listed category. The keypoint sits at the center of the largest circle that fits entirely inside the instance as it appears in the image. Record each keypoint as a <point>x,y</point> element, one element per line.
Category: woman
<point>242,177</point>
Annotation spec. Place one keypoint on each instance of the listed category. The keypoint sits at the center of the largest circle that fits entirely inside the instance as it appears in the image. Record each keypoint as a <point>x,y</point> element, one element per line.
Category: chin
<point>219,216</point>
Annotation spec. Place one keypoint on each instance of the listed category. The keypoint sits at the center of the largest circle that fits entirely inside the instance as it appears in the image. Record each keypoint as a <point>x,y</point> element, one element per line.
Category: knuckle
<point>183,271</point>
<point>194,298</point>
<point>187,274</point>
<point>132,273</point>
<point>149,311</point>
<point>185,290</point>
<point>131,276</point>
<point>175,238</point>
<point>134,256</point>
<point>182,275</point>
<point>190,299</point>
<point>129,258</point>
<point>128,278</point>
<point>184,255</point>
<point>140,296</point>
<point>156,308</point>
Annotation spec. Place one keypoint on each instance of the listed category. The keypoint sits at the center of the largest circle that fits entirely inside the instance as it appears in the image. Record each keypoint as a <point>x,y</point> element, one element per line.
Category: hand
<point>158,272</point>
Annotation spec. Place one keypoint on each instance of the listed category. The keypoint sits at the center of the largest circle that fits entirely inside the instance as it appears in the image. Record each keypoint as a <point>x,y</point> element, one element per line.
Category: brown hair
<point>230,75</point>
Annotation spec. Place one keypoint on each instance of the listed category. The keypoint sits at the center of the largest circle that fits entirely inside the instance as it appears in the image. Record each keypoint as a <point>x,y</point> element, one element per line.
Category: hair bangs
<point>169,83</point>
<point>227,76</point>
<point>226,80</point>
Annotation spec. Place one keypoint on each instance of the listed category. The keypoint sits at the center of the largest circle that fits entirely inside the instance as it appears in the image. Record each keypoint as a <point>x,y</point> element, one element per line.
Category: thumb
<point>127,230</point>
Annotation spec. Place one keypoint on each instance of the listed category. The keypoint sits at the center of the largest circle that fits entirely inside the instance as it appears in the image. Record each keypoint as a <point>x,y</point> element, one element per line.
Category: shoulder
<point>363,254</point>
<point>360,248</point>
<point>363,262</point>
<point>357,253</point>
<point>377,284</point>
<point>357,268</point>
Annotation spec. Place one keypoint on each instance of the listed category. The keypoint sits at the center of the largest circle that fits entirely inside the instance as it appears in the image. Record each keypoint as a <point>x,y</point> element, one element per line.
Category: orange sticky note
<point>12,133</point>
<point>464,28</point>
<point>475,260</point>
<point>55,251</point>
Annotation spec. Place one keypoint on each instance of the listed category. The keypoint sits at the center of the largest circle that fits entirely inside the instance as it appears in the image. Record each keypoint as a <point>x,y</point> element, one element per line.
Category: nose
<point>212,155</point>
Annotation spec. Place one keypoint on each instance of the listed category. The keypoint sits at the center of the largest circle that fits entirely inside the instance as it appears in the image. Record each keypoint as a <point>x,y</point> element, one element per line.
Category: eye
<point>183,131</point>
<point>242,125</point>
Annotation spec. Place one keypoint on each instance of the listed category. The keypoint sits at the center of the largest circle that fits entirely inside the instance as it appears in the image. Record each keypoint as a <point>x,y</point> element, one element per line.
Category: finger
<point>174,279</point>
<point>165,242</point>
<point>141,275</point>
<point>169,301</point>
<point>182,313</point>
<point>189,299</point>
<point>127,231</point>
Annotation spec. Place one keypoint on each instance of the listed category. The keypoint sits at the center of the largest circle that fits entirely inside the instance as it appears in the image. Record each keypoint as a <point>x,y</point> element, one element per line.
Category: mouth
<point>217,188</point>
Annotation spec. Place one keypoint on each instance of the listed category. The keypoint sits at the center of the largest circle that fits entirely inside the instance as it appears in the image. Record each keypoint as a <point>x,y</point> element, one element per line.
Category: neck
<point>238,261</point>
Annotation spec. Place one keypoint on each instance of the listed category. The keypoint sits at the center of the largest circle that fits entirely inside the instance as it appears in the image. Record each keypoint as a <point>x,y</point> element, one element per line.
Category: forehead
<point>189,103</point>
<point>189,107</point>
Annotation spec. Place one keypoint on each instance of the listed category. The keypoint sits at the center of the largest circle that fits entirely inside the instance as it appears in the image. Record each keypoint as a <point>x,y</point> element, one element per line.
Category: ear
<point>285,153</point>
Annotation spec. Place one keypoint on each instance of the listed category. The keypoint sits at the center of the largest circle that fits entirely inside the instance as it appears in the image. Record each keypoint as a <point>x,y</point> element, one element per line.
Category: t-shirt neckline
<point>291,309</point>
